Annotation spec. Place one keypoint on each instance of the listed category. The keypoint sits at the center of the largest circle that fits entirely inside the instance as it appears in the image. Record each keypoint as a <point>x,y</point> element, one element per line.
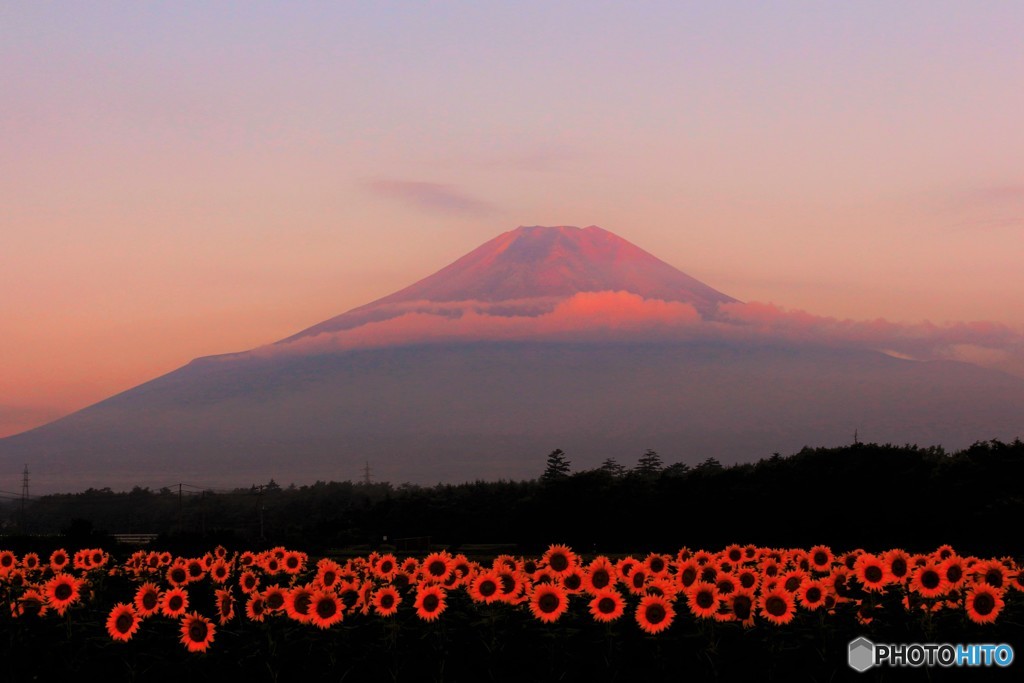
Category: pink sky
<point>187,180</point>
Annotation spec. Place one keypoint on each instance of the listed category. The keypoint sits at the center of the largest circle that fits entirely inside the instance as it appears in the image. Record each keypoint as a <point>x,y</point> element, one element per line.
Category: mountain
<point>541,338</point>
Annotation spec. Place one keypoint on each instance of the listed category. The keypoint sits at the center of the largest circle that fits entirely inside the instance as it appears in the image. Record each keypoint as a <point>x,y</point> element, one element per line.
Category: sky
<point>192,178</point>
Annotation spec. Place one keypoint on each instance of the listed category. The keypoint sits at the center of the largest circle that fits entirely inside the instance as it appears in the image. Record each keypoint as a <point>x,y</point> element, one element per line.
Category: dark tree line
<point>862,495</point>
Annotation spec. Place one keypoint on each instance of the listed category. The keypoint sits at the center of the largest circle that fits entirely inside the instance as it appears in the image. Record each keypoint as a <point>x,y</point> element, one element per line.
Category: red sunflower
<point>386,600</point>
<point>430,602</point>
<point>778,606</point>
<point>123,622</point>
<point>197,632</point>
<point>984,602</point>
<point>654,614</point>
<point>607,605</point>
<point>548,602</point>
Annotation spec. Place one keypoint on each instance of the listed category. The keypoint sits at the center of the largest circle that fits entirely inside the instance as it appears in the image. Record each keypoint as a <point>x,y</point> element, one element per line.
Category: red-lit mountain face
<point>529,271</point>
<point>542,338</point>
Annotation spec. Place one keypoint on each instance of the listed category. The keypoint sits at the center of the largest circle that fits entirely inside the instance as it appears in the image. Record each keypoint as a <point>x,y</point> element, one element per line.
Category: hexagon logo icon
<point>861,654</point>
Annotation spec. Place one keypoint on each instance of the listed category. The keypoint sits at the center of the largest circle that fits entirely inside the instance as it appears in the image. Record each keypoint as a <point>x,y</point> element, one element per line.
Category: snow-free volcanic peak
<point>533,267</point>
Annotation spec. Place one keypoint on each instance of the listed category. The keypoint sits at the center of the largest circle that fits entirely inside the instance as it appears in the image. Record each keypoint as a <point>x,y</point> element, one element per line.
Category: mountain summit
<point>530,269</point>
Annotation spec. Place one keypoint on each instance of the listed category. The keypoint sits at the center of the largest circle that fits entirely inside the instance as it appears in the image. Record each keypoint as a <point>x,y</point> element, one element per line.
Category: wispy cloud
<point>427,196</point>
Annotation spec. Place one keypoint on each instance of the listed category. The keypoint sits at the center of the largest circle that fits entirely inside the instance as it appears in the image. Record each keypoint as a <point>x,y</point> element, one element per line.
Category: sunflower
<point>293,562</point>
<point>928,581</point>
<point>657,564</point>
<point>984,602</point>
<point>197,632</point>
<point>991,572</point>
<point>177,575</point>
<point>600,575</point>
<point>194,569</point>
<point>703,599</point>
<point>686,574</point>
<point>225,605</point>
<point>560,559</point>
<point>274,598</point>
<point>220,571</point>
<point>654,614</point>
<point>385,601</point>
<point>778,606</point>
<point>248,582</point>
<point>325,609</point>
<point>944,551</point>
<point>811,594</point>
<point>430,602</point>
<point>59,560</point>
<point>871,572</point>
<point>820,558</point>
<point>793,579</point>
<point>485,587</point>
<point>147,600</point>
<point>385,567</point>
<point>726,584</point>
<point>637,580</point>
<point>298,602</point>
<point>741,604</point>
<point>328,574</point>
<point>436,567</point>
<point>898,563</point>
<point>607,605</point>
<point>548,602</point>
<point>733,553</point>
<point>174,603</point>
<point>748,578</point>
<point>62,591</point>
<point>32,603</point>
<point>573,581</point>
<point>510,586</point>
<point>123,622</point>
<point>30,562</point>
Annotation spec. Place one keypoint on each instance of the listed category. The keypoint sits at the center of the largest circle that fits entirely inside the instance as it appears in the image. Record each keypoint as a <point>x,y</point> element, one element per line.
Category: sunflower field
<point>277,613</point>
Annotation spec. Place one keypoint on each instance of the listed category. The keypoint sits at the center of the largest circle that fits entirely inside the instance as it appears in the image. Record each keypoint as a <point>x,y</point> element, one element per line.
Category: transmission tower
<point>367,479</point>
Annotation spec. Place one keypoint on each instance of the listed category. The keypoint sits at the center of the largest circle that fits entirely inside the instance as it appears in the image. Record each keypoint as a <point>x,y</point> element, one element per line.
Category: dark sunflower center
<point>708,574</point>
<point>62,591</point>
<point>792,583</point>
<point>431,602</point>
<point>195,569</point>
<point>178,576</point>
<point>655,614</point>
<point>302,603</point>
<point>197,631</point>
<point>123,623</point>
<point>638,579</point>
<point>507,583</point>
<point>292,562</point>
<point>174,603</point>
<point>873,573</point>
<point>689,576</point>
<point>548,603</point>
<point>820,559</point>
<point>600,578</point>
<point>741,607</point>
<point>994,577</point>
<point>559,562</point>
<point>275,600</point>
<point>329,578</point>
<point>6,560</point>
<point>488,588</point>
<point>929,579</point>
<point>657,564</point>
<point>705,599</point>
<point>386,566</point>
<point>813,594</point>
<point>149,600</point>
<point>775,606</point>
<point>984,604</point>
<point>954,572</point>
<point>572,582</point>
<point>747,579</point>
<point>735,555</point>
<point>387,600</point>
<point>436,568</point>
<point>325,609</point>
<point>899,566</point>
<point>605,605</point>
